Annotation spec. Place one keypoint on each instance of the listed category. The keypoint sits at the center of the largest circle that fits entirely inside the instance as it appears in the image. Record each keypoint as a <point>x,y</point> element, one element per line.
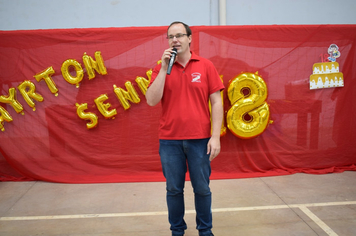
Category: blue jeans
<point>175,154</point>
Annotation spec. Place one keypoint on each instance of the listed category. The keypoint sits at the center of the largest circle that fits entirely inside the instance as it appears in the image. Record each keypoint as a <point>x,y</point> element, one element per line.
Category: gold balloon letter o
<point>67,75</point>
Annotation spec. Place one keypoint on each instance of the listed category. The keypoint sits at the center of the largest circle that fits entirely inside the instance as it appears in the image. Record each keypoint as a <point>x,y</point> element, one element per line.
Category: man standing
<point>186,134</point>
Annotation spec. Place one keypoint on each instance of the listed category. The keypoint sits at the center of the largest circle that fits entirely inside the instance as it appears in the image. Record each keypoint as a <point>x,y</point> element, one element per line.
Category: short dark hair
<point>187,29</point>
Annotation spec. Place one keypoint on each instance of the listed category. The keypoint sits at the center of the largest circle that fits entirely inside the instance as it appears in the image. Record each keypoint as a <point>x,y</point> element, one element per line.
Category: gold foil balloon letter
<point>130,95</point>
<point>29,94</point>
<point>4,116</point>
<point>46,75</point>
<point>91,65</point>
<point>104,108</point>
<point>12,100</point>
<point>87,115</point>
<point>67,75</point>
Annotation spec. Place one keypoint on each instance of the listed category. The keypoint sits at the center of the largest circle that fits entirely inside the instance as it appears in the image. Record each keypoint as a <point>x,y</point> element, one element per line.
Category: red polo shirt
<point>185,101</point>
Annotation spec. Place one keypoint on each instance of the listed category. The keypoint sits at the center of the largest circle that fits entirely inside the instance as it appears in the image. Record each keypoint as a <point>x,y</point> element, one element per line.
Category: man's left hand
<point>213,147</point>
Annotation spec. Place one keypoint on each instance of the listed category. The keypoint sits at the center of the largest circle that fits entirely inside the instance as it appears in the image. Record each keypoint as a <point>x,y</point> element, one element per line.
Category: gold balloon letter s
<point>249,115</point>
<point>87,115</point>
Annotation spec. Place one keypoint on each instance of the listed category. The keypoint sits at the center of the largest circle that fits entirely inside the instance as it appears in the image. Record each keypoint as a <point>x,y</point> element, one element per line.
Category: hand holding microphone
<point>171,61</point>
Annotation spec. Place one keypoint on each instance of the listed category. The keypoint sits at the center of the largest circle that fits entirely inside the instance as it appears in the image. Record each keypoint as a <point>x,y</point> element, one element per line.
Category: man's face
<point>182,42</point>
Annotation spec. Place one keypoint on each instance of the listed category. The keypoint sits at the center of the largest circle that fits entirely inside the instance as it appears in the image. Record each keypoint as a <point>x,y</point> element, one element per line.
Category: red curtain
<point>313,131</point>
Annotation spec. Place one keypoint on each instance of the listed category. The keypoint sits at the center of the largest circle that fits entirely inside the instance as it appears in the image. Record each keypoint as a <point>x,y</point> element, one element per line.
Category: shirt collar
<point>194,56</point>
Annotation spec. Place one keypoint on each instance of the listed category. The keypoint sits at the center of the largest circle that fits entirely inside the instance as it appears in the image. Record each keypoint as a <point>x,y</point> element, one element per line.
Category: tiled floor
<point>299,204</point>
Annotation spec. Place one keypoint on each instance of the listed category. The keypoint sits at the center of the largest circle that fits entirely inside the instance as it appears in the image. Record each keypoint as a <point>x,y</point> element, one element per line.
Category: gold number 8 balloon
<point>249,114</point>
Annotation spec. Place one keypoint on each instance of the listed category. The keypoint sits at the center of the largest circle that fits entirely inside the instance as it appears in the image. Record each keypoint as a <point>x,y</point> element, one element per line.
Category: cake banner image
<point>327,74</point>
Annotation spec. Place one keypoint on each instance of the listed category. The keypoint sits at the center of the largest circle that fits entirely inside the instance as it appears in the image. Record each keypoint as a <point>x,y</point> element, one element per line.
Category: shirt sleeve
<point>154,74</point>
<point>215,82</point>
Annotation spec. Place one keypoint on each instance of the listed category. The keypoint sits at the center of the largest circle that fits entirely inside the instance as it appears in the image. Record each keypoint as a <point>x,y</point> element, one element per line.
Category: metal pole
<point>222,12</point>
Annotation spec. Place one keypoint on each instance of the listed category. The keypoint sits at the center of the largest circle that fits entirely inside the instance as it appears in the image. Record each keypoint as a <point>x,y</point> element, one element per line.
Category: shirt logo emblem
<point>196,77</point>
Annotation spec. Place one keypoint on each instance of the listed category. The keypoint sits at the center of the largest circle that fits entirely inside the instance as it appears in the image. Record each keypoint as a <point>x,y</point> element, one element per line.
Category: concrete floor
<point>298,204</point>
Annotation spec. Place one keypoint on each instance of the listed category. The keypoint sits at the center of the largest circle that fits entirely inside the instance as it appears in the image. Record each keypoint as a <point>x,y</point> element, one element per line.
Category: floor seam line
<point>35,182</point>
<point>318,221</point>
<point>130,214</point>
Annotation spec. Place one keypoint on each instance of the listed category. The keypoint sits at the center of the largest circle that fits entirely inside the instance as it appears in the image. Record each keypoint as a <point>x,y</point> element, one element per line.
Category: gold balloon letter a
<point>4,116</point>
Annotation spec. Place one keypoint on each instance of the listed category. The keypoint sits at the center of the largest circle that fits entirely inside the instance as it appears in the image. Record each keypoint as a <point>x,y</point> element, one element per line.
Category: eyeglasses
<point>178,36</point>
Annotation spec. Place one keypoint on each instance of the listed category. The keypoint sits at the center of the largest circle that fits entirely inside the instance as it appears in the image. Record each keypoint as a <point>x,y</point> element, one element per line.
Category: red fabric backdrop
<point>313,130</point>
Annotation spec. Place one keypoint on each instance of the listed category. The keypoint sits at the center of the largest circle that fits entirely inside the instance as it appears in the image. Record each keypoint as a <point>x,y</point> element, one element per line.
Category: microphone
<point>171,61</point>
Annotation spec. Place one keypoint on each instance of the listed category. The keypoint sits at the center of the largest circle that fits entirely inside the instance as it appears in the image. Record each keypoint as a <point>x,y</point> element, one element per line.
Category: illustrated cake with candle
<point>326,75</point>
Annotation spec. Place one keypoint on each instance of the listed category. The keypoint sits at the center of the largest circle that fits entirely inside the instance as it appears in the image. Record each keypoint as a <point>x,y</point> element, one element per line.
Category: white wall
<point>54,14</point>
<point>268,12</point>
<point>47,14</point>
